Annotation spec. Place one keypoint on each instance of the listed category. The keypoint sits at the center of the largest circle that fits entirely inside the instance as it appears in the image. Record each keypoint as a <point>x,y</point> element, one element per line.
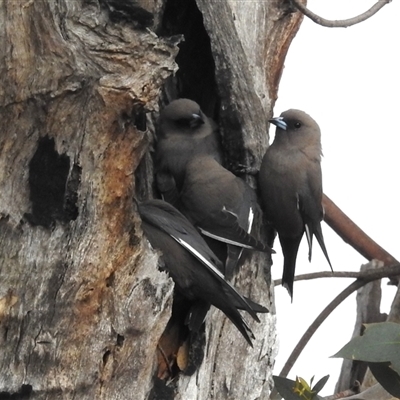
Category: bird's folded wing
<point>225,227</point>
<point>165,217</point>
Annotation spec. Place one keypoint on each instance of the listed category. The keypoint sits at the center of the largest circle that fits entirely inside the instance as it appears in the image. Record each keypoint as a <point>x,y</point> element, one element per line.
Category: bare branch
<point>344,23</point>
<point>368,276</point>
<point>322,274</point>
<point>345,393</point>
<point>329,274</point>
<point>354,235</point>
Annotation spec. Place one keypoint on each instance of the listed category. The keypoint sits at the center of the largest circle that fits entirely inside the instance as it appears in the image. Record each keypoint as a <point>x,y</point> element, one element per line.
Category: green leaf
<point>320,384</point>
<point>289,390</point>
<point>285,387</point>
<point>389,379</point>
<point>379,343</point>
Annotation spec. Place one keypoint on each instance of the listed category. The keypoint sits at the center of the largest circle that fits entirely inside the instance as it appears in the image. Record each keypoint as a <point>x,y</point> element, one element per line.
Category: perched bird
<point>290,181</point>
<point>188,170</point>
<point>194,267</point>
<point>222,206</point>
<point>183,131</point>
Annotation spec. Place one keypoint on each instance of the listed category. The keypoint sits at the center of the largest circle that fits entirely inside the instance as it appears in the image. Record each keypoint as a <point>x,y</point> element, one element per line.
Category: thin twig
<point>329,274</point>
<point>368,276</point>
<point>323,274</point>
<point>344,23</point>
<point>343,395</point>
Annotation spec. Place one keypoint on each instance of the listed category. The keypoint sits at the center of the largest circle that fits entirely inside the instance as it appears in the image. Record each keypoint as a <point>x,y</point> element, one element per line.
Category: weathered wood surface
<point>82,304</point>
<point>249,40</point>
<point>240,35</point>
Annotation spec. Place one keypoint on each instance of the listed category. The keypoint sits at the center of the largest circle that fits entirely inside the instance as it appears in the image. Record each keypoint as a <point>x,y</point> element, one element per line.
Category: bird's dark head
<point>182,115</point>
<point>298,127</point>
<point>294,120</point>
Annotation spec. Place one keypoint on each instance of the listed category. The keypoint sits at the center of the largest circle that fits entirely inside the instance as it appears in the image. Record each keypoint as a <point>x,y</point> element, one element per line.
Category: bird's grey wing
<point>168,219</point>
<point>310,194</point>
<point>310,205</point>
<point>224,226</point>
<point>171,221</point>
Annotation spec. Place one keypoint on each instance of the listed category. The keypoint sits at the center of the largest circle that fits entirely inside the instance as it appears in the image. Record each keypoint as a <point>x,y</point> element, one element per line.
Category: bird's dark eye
<point>297,124</point>
<point>183,122</point>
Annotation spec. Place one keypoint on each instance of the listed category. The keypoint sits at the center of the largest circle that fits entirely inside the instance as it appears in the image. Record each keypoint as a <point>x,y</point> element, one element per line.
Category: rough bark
<point>87,303</point>
<point>249,41</point>
<point>246,72</point>
<point>82,303</point>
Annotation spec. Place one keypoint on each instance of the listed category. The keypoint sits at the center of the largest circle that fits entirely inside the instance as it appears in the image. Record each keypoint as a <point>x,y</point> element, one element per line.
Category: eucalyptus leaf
<point>285,387</point>
<point>379,343</point>
<point>320,384</point>
<point>389,379</point>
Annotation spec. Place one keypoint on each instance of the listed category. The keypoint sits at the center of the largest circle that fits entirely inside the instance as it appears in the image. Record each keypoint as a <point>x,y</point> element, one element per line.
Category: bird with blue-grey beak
<point>222,206</point>
<point>183,131</point>
<point>290,181</point>
<point>194,267</point>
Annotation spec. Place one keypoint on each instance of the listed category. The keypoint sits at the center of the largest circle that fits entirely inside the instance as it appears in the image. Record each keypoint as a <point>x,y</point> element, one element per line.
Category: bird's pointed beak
<point>196,120</point>
<point>279,122</point>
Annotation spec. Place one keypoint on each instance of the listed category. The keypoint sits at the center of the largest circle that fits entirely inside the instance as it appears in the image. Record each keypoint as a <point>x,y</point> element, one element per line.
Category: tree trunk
<point>82,303</point>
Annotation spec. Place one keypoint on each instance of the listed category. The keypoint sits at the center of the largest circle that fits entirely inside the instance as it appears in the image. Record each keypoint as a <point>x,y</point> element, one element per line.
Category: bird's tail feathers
<point>258,308</point>
<point>238,301</point>
<point>288,278</point>
<point>309,236</point>
<point>290,247</point>
<point>320,238</point>
<point>241,324</point>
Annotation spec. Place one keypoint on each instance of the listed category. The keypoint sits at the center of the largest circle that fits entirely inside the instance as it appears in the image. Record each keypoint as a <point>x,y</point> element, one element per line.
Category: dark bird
<point>183,132</point>
<point>290,181</point>
<point>194,267</point>
<point>189,175</point>
<point>222,206</point>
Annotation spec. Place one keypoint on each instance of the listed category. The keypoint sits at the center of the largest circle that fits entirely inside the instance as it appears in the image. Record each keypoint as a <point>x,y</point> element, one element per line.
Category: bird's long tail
<point>315,229</point>
<point>290,247</point>
<point>320,238</point>
<point>234,315</point>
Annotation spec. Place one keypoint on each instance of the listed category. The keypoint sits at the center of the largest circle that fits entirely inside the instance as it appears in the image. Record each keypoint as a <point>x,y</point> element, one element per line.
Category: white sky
<point>348,80</point>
